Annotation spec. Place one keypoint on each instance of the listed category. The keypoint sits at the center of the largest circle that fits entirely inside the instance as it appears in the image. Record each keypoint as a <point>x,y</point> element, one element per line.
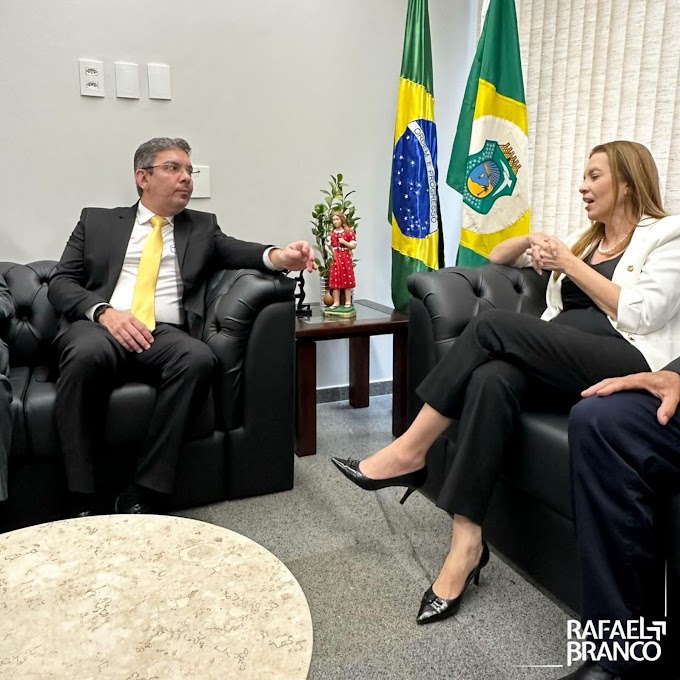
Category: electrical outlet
<point>91,78</point>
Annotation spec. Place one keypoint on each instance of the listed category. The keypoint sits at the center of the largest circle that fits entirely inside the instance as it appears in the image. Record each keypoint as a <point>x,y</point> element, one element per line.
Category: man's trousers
<point>92,363</point>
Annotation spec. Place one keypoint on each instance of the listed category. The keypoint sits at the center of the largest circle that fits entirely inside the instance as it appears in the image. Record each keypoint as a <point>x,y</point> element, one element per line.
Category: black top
<point>579,311</point>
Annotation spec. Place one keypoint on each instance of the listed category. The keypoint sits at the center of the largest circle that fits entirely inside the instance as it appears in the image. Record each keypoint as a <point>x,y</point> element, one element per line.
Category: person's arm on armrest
<point>516,251</point>
<point>296,256</point>
<point>507,252</point>
<point>232,253</point>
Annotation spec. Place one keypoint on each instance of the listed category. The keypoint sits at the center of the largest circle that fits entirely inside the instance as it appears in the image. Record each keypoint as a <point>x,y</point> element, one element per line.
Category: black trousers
<point>92,363</point>
<point>500,363</point>
<point>622,462</point>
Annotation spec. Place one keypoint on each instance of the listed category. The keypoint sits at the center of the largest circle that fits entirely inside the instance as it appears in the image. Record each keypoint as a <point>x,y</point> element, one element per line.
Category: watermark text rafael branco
<point>631,640</point>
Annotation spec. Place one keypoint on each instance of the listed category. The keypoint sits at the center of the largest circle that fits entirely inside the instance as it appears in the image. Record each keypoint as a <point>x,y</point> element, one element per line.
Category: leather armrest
<point>445,301</point>
<point>455,295</point>
<point>234,300</point>
<point>29,333</point>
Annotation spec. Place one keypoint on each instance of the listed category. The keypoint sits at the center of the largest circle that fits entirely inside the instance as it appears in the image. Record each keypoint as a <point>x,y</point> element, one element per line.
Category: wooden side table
<point>371,319</point>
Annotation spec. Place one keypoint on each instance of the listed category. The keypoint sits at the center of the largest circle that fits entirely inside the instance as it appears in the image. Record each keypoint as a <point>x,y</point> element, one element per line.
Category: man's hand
<point>664,385</point>
<point>295,256</point>
<point>127,329</point>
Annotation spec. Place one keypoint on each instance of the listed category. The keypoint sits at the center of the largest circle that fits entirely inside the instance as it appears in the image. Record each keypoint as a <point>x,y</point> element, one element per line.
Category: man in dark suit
<point>624,440</point>
<point>6,311</point>
<point>131,288</point>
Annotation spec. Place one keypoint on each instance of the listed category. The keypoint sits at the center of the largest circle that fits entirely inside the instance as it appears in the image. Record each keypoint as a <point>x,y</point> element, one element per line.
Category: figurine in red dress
<point>341,278</point>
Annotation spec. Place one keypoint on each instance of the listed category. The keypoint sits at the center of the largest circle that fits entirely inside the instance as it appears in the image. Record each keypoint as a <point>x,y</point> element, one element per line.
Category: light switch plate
<point>202,182</point>
<point>159,81</point>
<point>127,80</point>
<point>91,78</point>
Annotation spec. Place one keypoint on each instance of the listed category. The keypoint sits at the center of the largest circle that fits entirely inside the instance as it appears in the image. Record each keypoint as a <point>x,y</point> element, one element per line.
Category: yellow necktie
<point>144,298</point>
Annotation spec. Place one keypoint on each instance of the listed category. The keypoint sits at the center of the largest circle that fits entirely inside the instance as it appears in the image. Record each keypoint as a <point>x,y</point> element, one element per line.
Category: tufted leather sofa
<point>530,519</point>
<point>240,445</point>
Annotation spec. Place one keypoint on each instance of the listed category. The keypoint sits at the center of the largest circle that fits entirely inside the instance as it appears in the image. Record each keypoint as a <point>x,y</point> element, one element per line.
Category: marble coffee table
<point>147,597</point>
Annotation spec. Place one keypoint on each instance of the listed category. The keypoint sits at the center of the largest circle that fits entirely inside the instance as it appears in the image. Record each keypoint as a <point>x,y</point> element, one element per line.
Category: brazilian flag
<point>414,200</point>
<point>489,160</point>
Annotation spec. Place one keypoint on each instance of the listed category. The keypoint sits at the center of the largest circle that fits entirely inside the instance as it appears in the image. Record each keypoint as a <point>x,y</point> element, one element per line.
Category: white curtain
<point>595,71</point>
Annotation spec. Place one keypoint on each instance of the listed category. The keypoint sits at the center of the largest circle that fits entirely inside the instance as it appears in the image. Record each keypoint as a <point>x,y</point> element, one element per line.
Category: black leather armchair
<point>240,445</point>
<point>530,519</point>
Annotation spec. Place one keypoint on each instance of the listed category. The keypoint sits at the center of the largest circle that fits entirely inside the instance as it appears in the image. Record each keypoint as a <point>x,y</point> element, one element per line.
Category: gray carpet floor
<point>364,562</point>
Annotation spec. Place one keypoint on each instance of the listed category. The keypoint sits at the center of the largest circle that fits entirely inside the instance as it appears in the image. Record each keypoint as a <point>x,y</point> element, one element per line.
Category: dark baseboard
<point>328,394</point>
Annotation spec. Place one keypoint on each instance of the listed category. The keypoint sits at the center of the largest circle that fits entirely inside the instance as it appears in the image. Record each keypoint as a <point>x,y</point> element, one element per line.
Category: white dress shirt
<point>169,287</point>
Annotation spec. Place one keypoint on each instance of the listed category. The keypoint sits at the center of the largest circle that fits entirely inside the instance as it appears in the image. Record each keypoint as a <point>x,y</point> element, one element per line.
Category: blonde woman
<point>613,304</point>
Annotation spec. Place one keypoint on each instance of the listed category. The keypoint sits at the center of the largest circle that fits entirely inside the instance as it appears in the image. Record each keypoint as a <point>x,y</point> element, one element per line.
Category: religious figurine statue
<point>341,279</point>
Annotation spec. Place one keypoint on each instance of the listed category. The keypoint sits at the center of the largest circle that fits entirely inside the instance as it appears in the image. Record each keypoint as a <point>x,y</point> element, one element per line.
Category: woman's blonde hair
<point>342,217</point>
<point>632,164</point>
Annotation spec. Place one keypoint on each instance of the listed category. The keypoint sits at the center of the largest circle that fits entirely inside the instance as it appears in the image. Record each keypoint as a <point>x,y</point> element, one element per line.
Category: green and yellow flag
<point>414,200</point>
<point>489,164</point>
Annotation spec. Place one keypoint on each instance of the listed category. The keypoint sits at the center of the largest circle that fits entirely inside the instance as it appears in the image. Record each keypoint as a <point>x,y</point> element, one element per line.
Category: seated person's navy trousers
<point>623,462</point>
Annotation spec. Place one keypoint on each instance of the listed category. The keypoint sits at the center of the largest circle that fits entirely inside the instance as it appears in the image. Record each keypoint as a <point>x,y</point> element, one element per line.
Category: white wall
<point>273,95</point>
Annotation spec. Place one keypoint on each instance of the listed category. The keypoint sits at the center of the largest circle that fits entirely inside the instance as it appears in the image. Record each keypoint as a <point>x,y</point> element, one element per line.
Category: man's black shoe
<point>130,505</point>
<point>82,504</point>
<point>591,671</point>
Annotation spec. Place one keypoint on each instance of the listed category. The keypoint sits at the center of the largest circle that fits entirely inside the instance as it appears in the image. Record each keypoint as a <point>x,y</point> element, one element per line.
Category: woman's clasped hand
<point>547,252</point>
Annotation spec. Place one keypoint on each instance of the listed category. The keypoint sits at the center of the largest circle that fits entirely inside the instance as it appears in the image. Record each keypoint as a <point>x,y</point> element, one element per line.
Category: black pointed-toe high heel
<point>350,468</point>
<point>434,608</point>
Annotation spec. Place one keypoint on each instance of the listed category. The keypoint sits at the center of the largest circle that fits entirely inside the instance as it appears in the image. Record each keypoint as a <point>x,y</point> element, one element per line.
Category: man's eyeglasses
<point>174,168</point>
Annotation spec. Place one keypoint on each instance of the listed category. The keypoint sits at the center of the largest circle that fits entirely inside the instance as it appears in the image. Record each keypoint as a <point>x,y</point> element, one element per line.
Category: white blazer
<point>649,275</point>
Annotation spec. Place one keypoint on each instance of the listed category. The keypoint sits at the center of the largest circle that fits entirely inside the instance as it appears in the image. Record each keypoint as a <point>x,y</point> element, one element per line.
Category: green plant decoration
<point>335,199</point>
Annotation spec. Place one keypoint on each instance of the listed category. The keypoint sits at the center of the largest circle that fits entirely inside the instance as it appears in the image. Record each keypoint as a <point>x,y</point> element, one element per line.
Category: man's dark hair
<point>145,156</point>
